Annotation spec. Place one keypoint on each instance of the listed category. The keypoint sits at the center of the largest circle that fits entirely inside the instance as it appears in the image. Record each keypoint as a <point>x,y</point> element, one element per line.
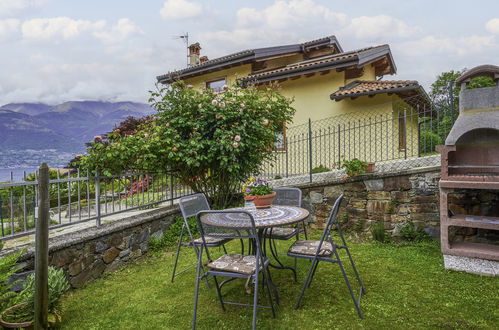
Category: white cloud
<point>378,27</point>
<point>11,7</point>
<point>493,25</point>
<point>65,28</point>
<point>286,14</point>
<point>123,29</point>
<point>180,9</point>
<point>59,27</point>
<point>8,26</point>
<point>460,46</point>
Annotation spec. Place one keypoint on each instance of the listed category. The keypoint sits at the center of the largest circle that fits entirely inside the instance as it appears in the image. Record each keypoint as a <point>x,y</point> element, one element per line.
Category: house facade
<point>325,82</point>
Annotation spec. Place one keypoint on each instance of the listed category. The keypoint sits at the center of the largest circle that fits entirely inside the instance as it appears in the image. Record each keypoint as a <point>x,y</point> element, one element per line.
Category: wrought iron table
<point>265,220</point>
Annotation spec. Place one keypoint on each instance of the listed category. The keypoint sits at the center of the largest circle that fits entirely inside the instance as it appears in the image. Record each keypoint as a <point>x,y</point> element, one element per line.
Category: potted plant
<point>21,312</point>
<point>259,191</point>
<point>354,166</point>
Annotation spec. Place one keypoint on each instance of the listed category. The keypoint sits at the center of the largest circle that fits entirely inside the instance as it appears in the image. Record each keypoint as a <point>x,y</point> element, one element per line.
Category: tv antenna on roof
<point>185,36</point>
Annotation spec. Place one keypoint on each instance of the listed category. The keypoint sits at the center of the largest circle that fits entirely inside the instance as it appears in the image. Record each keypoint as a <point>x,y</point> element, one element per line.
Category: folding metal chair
<point>234,225</point>
<point>287,196</point>
<point>189,207</point>
<point>326,250</point>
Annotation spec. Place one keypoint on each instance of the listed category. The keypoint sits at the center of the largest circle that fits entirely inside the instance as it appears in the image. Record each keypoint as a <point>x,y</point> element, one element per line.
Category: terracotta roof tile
<point>372,87</point>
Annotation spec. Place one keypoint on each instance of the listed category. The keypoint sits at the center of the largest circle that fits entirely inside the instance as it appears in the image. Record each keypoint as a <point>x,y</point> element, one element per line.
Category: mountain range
<point>57,132</point>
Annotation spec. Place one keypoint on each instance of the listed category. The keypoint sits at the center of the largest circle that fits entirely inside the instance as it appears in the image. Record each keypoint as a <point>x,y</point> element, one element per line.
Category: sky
<point>52,51</point>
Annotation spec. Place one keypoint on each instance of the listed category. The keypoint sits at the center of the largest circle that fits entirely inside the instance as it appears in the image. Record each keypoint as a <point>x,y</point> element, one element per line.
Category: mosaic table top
<point>277,215</point>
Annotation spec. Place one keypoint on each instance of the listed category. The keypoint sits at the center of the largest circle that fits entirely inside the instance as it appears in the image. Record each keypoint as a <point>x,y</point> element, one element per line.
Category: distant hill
<point>64,127</point>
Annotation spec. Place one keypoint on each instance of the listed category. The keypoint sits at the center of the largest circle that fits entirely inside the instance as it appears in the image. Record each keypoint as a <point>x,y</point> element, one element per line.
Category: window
<point>402,132</point>
<point>280,145</point>
<point>216,84</point>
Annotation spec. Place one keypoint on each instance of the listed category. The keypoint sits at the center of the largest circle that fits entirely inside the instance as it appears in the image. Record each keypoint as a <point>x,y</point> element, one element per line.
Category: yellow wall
<point>231,75</point>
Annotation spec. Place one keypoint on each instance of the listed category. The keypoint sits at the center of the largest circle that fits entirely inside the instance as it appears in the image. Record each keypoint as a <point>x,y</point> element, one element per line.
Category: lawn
<point>407,288</point>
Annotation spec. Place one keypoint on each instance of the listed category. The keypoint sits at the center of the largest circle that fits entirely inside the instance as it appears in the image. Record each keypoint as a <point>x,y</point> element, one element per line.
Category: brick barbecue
<point>470,160</point>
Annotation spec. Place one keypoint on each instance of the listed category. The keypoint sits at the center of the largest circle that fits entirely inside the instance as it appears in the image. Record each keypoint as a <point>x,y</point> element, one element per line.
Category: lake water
<point>16,172</point>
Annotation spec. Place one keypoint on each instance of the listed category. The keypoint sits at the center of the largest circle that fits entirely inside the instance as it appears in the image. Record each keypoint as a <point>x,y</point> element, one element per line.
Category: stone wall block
<point>376,184</point>
<point>377,207</point>
<point>397,183</point>
<point>144,235</point>
<point>379,195</point>
<point>355,186</point>
<point>115,240</point>
<point>333,191</point>
<point>315,197</point>
<point>400,196</point>
<point>100,247</point>
<point>424,208</point>
<point>110,255</point>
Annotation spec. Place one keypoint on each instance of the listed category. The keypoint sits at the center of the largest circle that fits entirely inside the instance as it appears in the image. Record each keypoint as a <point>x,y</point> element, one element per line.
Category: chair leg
<point>225,250</point>
<point>306,284</point>
<point>255,300</point>
<point>313,274</point>
<point>219,292</point>
<point>178,251</point>
<point>355,270</point>
<point>197,290</point>
<point>357,306</point>
<point>267,285</point>
<point>305,230</point>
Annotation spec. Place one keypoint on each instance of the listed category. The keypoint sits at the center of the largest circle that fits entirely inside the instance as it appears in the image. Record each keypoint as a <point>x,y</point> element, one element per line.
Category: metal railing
<point>399,133</point>
<point>77,197</point>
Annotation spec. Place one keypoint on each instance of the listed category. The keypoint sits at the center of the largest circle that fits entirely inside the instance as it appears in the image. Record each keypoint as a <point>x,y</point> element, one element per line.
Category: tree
<point>211,141</point>
<point>435,128</point>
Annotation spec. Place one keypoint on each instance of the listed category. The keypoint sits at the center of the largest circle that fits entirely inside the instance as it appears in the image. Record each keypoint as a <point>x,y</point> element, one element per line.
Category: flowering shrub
<point>211,141</point>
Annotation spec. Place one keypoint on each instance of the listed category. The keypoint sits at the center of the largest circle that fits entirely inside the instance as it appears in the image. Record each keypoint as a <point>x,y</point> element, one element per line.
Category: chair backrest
<point>229,224</point>
<point>192,204</point>
<point>332,220</point>
<point>287,196</point>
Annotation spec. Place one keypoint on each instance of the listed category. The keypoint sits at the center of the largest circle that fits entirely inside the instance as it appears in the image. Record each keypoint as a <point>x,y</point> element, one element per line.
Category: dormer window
<point>216,85</point>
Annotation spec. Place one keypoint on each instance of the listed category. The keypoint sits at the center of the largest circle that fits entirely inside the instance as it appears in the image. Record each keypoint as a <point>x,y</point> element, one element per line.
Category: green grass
<point>407,288</point>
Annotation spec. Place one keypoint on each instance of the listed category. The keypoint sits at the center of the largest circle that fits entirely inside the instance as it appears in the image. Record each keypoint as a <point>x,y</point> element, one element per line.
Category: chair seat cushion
<point>310,247</point>
<point>212,240</point>
<point>282,232</point>
<point>236,263</point>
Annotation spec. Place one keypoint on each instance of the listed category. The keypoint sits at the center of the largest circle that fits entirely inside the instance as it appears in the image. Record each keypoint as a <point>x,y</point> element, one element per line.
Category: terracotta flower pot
<point>370,168</point>
<point>264,201</point>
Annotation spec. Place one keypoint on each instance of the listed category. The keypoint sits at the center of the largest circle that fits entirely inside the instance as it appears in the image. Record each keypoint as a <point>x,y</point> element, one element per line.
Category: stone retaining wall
<point>391,198</point>
<point>87,254</point>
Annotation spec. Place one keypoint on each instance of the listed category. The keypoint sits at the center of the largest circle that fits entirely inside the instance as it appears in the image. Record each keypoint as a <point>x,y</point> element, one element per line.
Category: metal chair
<point>189,207</point>
<point>233,225</point>
<point>326,250</point>
<point>287,196</point>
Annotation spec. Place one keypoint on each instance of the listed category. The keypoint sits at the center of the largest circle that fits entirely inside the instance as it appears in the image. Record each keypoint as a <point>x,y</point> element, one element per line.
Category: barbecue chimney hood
<point>478,107</point>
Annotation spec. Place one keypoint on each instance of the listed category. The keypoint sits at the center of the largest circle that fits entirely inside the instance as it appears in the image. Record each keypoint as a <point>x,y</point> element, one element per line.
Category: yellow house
<point>338,96</point>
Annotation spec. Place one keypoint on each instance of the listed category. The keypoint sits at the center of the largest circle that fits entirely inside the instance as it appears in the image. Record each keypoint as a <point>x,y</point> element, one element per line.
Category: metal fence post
<point>97,198</point>
<point>171,189</point>
<point>339,146</point>
<point>41,250</point>
<point>1,215</point>
<point>310,147</point>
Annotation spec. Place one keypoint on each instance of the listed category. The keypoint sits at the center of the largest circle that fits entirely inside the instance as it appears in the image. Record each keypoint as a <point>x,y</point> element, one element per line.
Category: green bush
<point>171,235</point>
<point>428,140</point>
<point>320,169</point>
<point>8,266</point>
<point>412,233</point>
<point>378,231</point>
<point>354,166</point>
<point>58,285</point>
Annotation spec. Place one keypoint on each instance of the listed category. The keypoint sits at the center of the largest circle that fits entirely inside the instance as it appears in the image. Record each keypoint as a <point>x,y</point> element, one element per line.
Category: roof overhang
<point>248,56</point>
<point>380,55</point>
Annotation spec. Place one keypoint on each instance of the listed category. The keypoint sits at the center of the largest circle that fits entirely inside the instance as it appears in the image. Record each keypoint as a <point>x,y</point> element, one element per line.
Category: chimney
<point>203,59</point>
<point>194,52</point>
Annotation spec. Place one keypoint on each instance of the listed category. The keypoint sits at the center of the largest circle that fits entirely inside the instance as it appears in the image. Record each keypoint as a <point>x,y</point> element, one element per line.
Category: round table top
<point>274,216</point>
